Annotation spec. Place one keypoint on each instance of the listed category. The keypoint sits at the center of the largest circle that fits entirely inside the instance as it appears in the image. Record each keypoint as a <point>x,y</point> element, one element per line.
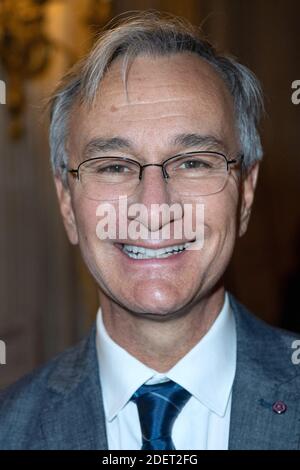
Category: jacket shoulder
<point>22,403</point>
<point>259,327</point>
<point>266,377</point>
<point>268,349</point>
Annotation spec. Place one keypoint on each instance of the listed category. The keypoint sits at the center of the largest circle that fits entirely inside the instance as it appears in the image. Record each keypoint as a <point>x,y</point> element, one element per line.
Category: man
<point>153,116</point>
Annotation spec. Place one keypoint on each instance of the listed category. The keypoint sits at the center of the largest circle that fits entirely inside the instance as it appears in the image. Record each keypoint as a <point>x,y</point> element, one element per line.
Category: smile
<point>140,252</point>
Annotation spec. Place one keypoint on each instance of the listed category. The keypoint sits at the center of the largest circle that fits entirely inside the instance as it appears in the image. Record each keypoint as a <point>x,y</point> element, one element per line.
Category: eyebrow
<point>101,144</point>
<point>196,140</point>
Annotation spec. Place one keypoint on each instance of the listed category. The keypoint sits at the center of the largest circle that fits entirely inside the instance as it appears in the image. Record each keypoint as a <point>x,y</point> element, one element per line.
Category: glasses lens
<point>108,178</point>
<point>197,174</point>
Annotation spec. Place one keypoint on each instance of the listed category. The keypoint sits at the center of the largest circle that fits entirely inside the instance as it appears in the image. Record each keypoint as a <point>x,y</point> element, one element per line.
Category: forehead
<point>160,96</point>
<point>181,75</point>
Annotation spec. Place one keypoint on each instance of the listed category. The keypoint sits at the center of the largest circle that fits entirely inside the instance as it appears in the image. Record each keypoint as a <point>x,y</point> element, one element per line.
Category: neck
<point>156,343</point>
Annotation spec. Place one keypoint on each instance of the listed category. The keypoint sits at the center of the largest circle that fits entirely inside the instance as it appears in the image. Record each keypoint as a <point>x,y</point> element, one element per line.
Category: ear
<point>66,209</point>
<point>248,186</point>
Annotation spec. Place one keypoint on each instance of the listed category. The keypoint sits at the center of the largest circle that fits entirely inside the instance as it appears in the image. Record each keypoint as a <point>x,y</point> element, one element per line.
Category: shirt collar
<point>213,357</point>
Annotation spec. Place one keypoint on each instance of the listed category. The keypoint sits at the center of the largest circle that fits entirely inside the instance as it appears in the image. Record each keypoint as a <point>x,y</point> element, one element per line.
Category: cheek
<point>220,220</point>
<point>93,250</point>
<point>86,221</point>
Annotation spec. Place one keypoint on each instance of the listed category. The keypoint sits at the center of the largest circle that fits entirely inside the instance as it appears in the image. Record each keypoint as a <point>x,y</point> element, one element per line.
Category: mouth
<point>140,252</point>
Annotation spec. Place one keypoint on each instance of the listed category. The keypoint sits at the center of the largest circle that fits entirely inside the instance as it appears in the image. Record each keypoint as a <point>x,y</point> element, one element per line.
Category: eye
<point>112,168</point>
<point>109,167</point>
<point>194,164</point>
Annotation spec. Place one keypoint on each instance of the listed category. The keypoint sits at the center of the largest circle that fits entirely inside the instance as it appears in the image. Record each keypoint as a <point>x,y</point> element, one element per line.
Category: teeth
<point>139,252</point>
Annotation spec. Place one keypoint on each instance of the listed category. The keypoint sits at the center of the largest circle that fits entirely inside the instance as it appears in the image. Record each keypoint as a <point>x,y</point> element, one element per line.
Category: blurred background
<point>47,299</point>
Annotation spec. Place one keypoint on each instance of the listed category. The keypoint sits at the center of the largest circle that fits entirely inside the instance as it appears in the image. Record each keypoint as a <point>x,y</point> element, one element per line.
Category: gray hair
<point>154,34</point>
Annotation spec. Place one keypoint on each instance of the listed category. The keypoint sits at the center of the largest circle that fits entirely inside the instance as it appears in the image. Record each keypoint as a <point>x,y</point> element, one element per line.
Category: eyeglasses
<point>197,173</point>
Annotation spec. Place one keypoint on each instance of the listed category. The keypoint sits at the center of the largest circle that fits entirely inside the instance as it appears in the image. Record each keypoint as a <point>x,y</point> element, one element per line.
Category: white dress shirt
<point>207,372</point>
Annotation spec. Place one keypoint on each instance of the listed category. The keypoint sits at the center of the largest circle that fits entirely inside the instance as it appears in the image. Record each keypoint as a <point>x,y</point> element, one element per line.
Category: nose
<point>154,195</point>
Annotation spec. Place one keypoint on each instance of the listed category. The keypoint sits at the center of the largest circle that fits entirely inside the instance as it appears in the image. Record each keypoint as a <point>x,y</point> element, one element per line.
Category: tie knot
<point>158,407</point>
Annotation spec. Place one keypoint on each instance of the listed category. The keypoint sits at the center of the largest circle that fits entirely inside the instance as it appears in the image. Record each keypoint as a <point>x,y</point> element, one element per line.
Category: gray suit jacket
<point>60,406</point>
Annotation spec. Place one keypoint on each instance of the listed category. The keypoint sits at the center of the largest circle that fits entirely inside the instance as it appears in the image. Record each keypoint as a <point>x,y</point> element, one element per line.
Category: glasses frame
<point>75,172</point>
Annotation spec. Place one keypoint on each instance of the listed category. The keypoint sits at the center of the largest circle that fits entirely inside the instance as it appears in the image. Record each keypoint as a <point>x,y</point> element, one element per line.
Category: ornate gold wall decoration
<point>26,50</point>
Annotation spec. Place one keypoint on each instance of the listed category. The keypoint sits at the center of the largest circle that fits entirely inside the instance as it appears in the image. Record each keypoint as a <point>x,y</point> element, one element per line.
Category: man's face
<point>166,97</point>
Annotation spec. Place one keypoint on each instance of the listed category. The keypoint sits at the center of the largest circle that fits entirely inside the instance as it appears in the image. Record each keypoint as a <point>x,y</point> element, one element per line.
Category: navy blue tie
<point>158,407</point>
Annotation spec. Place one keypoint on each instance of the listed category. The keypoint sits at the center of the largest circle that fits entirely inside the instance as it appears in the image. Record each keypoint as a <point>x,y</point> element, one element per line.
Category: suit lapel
<point>73,417</point>
<point>264,375</point>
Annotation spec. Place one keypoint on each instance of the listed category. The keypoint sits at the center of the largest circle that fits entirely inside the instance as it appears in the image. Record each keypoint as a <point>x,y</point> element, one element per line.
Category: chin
<point>157,303</point>
<point>155,313</point>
